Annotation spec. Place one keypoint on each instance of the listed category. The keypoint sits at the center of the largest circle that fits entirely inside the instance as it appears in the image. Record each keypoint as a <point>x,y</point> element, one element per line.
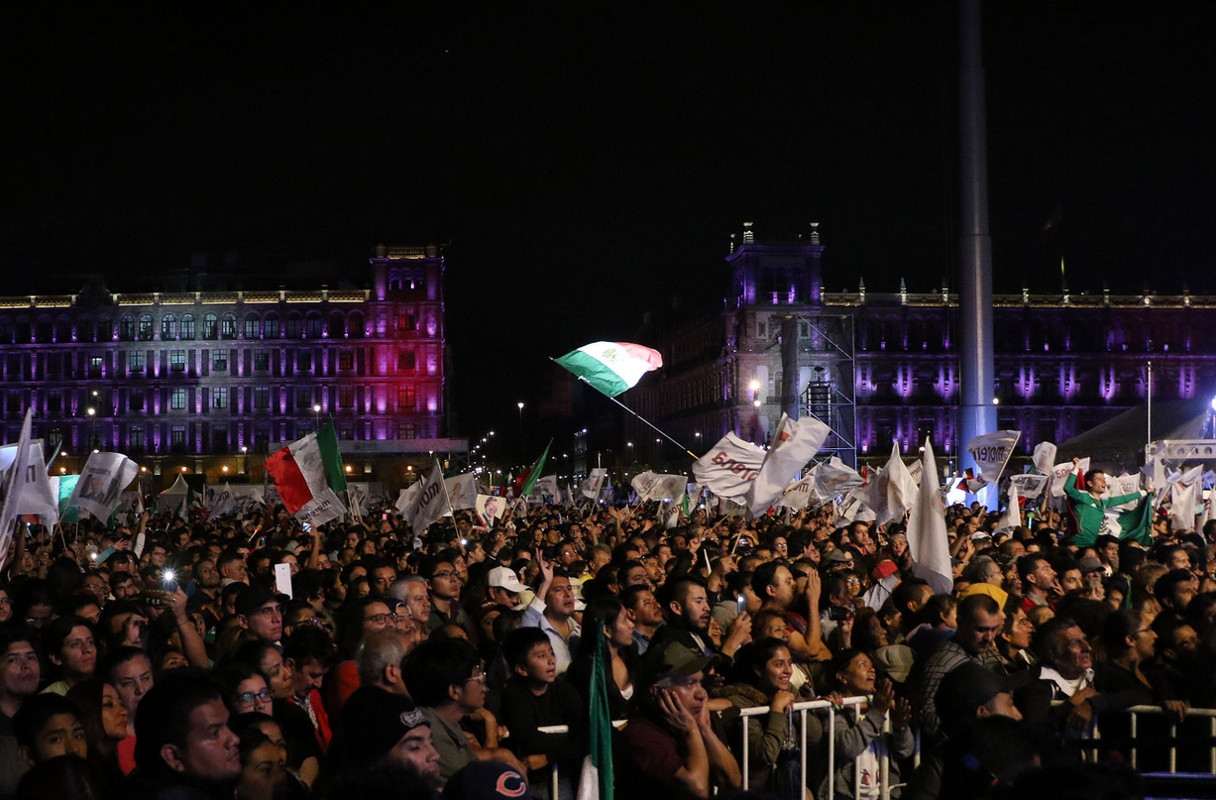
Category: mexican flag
<point>525,483</point>
<point>308,475</point>
<point>611,367</point>
<point>595,782</point>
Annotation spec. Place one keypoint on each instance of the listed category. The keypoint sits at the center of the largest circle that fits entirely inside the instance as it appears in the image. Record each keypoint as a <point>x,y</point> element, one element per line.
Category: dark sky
<point>588,161</point>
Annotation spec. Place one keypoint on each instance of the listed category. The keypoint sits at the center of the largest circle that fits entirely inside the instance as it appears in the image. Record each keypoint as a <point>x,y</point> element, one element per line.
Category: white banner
<point>1030,485</point>
<point>101,482</point>
<point>798,495</point>
<point>991,452</point>
<point>219,500</point>
<point>928,543</point>
<point>324,507</point>
<point>462,491</point>
<point>430,503</point>
<point>729,467</point>
<point>593,483</point>
<point>546,487</point>
<point>833,478</point>
<point>1044,457</point>
<point>897,490</point>
<point>652,486</point>
<point>795,443</point>
<point>1060,473</point>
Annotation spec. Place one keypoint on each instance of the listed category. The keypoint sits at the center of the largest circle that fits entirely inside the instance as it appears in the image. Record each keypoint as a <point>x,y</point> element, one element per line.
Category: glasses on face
<point>445,574</point>
<point>268,611</point>
<point>247,698</point>
<point>380,619</point>
<point>479,675</point>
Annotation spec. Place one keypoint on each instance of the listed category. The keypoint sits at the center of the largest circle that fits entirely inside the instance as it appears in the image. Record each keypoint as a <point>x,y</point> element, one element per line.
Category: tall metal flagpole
<point>976,373</point>
<point>643,419</point>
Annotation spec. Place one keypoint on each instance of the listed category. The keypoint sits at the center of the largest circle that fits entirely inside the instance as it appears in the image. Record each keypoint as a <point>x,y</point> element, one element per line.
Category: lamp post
<point>522,448</point>
<point>316,417</point>
<point>92,412</point>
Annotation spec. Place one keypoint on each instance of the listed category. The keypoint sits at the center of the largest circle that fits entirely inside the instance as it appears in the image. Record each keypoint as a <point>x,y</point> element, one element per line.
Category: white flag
<point>927,540</point>
<point>798,494</point>
<point>795,442</point>
<point>833,477</point>
<point>1012,518</point>
<point>653,486</point>
<point>546,486</point>
<point>220,500</point>
<point>1029,485</point>
<point>462,491</point>
<point>991,452</point>
<point>729,467</point>
<point>13,481</point>
<point>101,482</point>
<point>1183,499</point>
<point>325,506</point>
<point>406,498</point>
<point>593,483</point>
<point>34,492</point>
<point>1060,473</point>
<point>430,503</point>
<point>1044,457</point>
<point>897,489</point>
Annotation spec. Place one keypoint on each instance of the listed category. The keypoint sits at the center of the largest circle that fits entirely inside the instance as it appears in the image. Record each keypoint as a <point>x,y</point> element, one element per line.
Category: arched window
<point>273,328</point>
<point>168,327</point>
<point>105,329</point>
<point>251,325</point>
<point>210,326</point>
<point>337,326</point>
<point>187,326</point>
<point>126,328</point>
<point>312,326</point>
<point>228,327</point>
<point>145,327</point>
<point>295,326</point>
<point>355,327</point>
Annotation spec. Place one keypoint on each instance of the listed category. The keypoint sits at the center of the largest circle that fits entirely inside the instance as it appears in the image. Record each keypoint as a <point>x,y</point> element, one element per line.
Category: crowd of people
<point>167,659</point>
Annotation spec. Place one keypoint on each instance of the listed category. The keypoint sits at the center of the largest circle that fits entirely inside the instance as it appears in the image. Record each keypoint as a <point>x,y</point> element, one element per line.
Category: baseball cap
<point>838,556</point>
<point>505,578</point>
<point>673,661</point>
<point>485,780</point>
<point>965,688</point>
<point>251,598</point>
<point>1090,564</point>
<point>375,721</point>
<point>895,660</point>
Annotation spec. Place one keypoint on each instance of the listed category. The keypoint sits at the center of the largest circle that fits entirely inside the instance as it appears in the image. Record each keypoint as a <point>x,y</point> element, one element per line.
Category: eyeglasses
<point>245,698</point>
<point>446,574</point>
<point>268,611</point>
<point>380,619</point>
<point>478,675</point>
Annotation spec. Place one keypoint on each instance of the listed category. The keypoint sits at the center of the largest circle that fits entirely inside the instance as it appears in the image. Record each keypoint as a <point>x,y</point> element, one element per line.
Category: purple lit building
<point>200,380</point>
<point>883,367</point>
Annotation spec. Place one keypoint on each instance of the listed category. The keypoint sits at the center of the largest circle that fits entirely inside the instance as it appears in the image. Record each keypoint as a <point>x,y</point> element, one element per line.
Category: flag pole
<point>643,419</point>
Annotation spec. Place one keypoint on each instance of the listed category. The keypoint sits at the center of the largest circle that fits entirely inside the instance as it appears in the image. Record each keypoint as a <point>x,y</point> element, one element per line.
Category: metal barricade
<point>802,709</point>
<point>1094,734</point>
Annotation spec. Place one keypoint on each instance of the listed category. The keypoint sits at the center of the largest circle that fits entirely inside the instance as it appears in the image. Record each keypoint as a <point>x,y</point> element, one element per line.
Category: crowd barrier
<point>851,705</point>
<point>1135,713</point>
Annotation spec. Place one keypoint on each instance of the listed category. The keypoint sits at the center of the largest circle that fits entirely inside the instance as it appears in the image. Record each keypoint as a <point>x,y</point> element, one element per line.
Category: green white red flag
<point>611,367</point>
<point>308,475</point>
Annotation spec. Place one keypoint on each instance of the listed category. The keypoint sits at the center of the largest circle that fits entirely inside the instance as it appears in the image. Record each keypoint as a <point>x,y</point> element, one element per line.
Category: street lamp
<point>316,416</point>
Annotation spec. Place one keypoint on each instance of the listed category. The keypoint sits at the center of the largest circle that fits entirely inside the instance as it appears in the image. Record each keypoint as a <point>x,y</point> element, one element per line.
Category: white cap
<point>505,578</point>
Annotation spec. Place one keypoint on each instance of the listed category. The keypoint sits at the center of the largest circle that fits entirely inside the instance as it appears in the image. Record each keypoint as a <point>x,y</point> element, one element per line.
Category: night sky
<point>588,161</point>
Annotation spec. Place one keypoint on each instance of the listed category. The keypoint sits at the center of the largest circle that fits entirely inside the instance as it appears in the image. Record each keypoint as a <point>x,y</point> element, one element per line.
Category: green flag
<point>597,766</point>
<point>1137,524</point>
<point>525,482</point>
<point>331,458</point>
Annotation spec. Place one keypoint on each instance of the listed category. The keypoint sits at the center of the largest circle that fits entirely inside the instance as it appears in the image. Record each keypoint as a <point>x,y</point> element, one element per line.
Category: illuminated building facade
<point>884,367</point>
<point>203,380</point>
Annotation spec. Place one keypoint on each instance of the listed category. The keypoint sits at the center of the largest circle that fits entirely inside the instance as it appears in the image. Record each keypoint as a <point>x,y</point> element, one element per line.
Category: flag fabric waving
<point>653,486</point>
<point>34,489</point>
<point>795,442</point>
<point>595,782</point>
<point>928,542</point>
<point>101,482</point>
<point>729,467</point>
<point>13,480</point>
<point>611,367</point>
<point>430,503</point>
<point>593,483</point>
<point>308,474</point>
<point>526,482</point>
<point>991,452</point>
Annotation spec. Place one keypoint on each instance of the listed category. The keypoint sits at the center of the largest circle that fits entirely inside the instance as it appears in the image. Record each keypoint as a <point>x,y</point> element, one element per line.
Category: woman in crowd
<point>609,618</point>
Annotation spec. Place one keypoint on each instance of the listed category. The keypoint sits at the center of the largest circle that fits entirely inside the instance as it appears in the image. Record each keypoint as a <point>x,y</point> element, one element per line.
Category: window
<point>407,430</point>
<point>219,360</point>
<point>145,328</point>
<point>261,360</point>
<point>251,326</point>
<point>272,326</point>
<point>95,366</point>
<point>85,332</point>
<point>312,327</point>
<point>137,438</point>
<point>105,330</point>
<point>126,328</point>
<point>407,322</point>
<point>168,327</point>
<point>210,326</point>
<point>177,399</point>
<point>136,401</point>
<point>177,360</point>
<point>135,361</point>
<point>219,397</point>
<point>304,361</point>
<point>187,326</point>
<point>304,398</point>
<point>228,327</point>
<point>295,326</point>
<point>346,397</point>
<point>261,397</point>
<point>177,437</point>
<point>346,360</point>
<point>407,399</point>
<point>406,361</point>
